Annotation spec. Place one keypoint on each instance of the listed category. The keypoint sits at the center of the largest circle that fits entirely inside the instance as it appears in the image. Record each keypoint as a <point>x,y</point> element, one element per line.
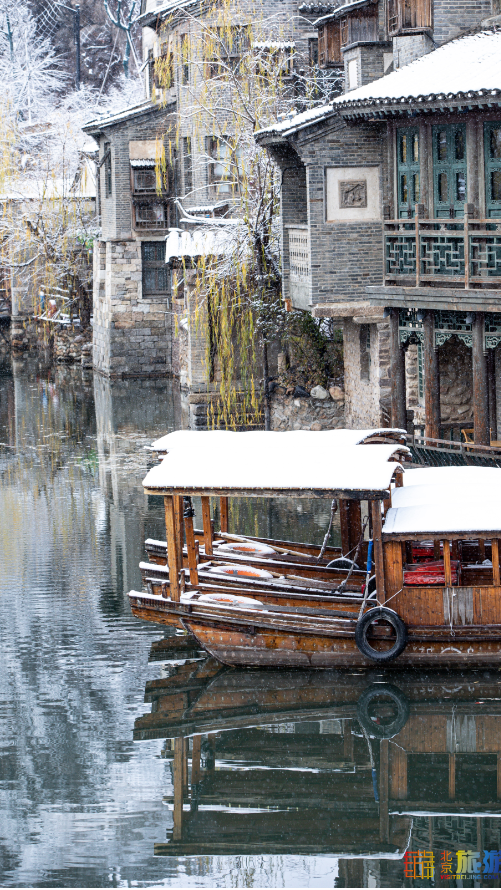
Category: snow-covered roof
<point>441,500</point>
<point>206,241</point>
<point>341,10</point>
<point>96,125</point>
<point>165,9</point>
<point>184,439</point>
<point>469,66</point>
<point>273,44</point>
<point>253,462</point>
<point>143,162</point>
<point>297,121</point>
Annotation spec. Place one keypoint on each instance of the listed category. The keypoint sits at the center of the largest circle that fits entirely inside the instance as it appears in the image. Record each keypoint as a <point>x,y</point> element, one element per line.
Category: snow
<point>446,499</point>
<point>182,439</point>
<point>296,121</point>
<point>253,461</point>
<point>208,241</point>
<point>272,44</point>
<point>339,11</point>
<point>143,162</point>
<point>468,65</point>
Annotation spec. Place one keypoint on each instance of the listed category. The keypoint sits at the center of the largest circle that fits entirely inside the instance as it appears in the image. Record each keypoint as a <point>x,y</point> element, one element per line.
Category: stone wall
<point>367,378</point>
<point>132,335</point>
<point>290,412</point>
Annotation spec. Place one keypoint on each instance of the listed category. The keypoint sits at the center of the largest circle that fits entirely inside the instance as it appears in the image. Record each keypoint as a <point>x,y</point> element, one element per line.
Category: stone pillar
<point>397,372</point>
<point>480,387</point>
<point>431,379</point>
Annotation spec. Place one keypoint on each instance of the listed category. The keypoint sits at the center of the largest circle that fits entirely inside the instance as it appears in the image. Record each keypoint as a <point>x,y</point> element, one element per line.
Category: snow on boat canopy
<point>453,501</point>
<point>184,438</point>
<point>303,463</point>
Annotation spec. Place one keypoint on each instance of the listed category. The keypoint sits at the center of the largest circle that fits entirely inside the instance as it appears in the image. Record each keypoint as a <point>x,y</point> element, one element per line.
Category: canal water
<point>123,766</point>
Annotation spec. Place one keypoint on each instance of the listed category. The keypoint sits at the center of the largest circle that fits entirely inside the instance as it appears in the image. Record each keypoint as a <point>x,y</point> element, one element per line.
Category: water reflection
<point>370,768</point>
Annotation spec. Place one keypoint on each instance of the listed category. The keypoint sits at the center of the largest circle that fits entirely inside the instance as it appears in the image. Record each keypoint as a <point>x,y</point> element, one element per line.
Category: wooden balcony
<point>460,253</point>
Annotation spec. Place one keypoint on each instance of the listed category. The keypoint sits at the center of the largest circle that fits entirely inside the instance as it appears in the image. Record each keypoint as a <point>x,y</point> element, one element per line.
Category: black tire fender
<point>380,613</point>
<point>383,691</point>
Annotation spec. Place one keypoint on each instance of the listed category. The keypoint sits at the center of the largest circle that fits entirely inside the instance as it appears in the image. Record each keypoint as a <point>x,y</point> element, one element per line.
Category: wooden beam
<point>397,373</point>
<point>447,564</point>
<point>496,573</point>
<point>480,389</point>
<point>178,511</point>
<point>173,560</point>
<point>431,378</point>
<point>223,504</point>
<point>398,773</point>
<point>378,550</point>
<point>207,526</point>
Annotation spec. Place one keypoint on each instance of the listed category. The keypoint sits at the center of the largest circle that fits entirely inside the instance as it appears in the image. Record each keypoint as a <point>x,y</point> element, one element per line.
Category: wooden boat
<point>373,756</point>
<point>437,599</point>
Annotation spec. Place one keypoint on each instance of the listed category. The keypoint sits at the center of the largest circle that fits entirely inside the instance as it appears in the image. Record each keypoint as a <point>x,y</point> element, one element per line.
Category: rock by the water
<point>318,392</point>
<point>336,393</point>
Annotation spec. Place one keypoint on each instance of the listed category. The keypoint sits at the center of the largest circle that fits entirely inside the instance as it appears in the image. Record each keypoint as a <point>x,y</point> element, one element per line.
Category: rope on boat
<point>334,506</point>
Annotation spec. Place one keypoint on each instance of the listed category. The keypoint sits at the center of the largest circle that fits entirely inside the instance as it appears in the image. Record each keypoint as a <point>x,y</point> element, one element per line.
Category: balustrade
<point>439,252</point>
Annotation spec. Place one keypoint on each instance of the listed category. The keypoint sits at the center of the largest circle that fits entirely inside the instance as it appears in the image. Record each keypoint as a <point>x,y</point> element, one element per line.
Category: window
<point>329,45</point>
<point>226,50</point>
<point>359,27</point>
<point>365,352</point>
<point>144,180</point>
<point>223,166</point>
<point>352,74</point>
<point>151,215</point>
<point>408,16</point>
<point>492,153</point>
<point>187,165</point>
<point>407,171</point>
<point>156,277</point>
<point>449,170</point>
<point>313,51</point>
<point>108,184</point>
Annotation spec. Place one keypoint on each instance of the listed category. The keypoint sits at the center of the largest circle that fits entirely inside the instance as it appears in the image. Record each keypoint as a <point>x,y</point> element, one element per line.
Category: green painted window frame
<point>451,167</point>
<point>492,165</point>
<point>407,171</point>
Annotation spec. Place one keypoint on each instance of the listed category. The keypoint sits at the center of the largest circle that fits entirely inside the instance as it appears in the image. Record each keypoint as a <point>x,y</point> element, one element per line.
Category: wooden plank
<point>178,512</point>
<point>366,494</point>
<point>496,575</point>
<point>174,562</point>
<point>378,551</point>
<point>223,503</point>
<point>179,750</point>
<point>207,526</point>
<point>447,564</point>
<point>393,566</point>
<point>398,773</point>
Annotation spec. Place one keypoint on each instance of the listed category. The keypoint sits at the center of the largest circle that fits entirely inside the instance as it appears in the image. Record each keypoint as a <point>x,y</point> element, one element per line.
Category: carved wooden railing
<point>440,252</point>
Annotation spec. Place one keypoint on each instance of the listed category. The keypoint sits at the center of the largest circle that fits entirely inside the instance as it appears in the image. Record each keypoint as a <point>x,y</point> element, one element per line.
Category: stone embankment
<point>319,409</point>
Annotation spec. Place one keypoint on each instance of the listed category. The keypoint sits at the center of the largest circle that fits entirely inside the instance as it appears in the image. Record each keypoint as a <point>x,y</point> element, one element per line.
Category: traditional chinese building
<point>390,210</point>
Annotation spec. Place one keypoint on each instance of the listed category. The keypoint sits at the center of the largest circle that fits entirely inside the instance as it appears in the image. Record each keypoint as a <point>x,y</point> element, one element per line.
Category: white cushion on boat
<point>250,547</point>
<point>240,571</point>
<point>228,599</point>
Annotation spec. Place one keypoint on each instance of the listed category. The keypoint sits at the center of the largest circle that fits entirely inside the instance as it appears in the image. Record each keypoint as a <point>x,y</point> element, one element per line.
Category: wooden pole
<point>491,388</point>
<point>207,526</point>
<point>431,379</point>
<point>397,371</point>
<point>223,502</point>
<point>377,528</point>
<point>196,772</point>
<point>496,575</point>
<point>178,511</point>
<point>191,544</point>
<point>447,564</point>
<point>179,751</point>
<point>480,389</point>
<point>173,560</point>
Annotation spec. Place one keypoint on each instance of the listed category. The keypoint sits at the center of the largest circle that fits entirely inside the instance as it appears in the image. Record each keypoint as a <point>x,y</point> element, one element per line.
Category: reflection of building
<point>128,414</point>
<point>321,763</point>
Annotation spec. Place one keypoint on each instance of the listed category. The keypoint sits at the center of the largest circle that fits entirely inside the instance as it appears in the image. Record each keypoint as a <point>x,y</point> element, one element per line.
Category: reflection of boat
<point>435,544</point>
<point>303,762</point>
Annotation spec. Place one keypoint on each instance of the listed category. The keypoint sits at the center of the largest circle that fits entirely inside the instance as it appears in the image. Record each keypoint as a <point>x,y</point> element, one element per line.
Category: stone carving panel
<point>353,193</point>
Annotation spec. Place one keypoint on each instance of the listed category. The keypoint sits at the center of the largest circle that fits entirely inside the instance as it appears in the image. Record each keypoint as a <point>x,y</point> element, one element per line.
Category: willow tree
<point>236,70</point>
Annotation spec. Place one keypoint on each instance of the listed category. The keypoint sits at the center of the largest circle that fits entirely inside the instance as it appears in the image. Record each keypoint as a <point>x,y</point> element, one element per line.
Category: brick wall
<point>454,17</point>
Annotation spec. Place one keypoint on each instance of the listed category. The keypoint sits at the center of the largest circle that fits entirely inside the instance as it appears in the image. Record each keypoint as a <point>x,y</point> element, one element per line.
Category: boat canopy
<point>450,501</point>
<point>185,438</point>
<point>302,463</point>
